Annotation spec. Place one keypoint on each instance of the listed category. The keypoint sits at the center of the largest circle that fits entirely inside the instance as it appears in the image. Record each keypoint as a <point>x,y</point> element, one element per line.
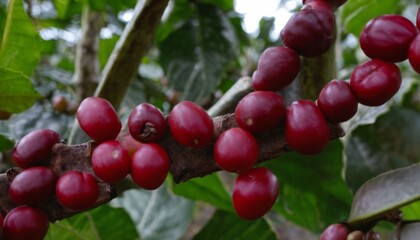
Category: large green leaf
<point>389,143</point>
<point>312,191</point>
<point>5,143</point>
<point>195,56</point>
<point>101,223</point>
<point>227,226</point>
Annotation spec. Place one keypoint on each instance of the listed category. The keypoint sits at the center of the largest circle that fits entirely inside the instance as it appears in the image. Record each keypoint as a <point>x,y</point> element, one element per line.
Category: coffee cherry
<point>150,166</point>
<point>128,143</point>
<point>1,226</point>
<point>77,190</point>
<point>375,82</point>
<point>418,19</point>
<point>235,150</point>
<point>34,148</point>
<point>25,223</point>
<point>146,123</point>
<point>337,101</point>
<point>191,125</point>
<point>110,161</point>
<point>414,54</point>
<point>307,130</point>
<point>332,3</point>
<point>59,103</point>
<point>388,37</point>
<point>33,186</point>
<point>254,193</point>
<point>98,119</point>
<point>277,68</point>
<point>335,231</point>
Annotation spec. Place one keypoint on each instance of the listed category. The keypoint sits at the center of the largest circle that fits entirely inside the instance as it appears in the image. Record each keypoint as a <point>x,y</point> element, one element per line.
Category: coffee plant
<point>160,119</point>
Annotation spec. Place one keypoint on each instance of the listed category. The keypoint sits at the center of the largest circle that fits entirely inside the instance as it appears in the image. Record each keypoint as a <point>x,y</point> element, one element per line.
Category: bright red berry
<point>414,54</point>
<point>33,185</point>
<point>150,166</point>
<point>98,119</point>
<point>191,125</point>
<point>335,231</point>
<point>25,223</point>
<point>375,82</point>
<point>35,147</point>
<point>110,161</point>
<point>147,123</point>
<point>77,190</point>
<point>307,130</point>
<point>277,68</point>
<point>254,193</point>
<point>337,101</point>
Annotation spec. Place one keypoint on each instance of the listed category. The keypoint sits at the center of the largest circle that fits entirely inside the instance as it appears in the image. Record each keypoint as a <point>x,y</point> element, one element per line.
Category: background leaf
<point>5,143</point>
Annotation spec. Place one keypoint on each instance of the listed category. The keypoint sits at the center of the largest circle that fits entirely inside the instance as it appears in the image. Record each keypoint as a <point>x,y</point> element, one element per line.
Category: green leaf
<point>207,189</point>
<point>389,143</point>
<point>385,192</point>
<point>226,5</point>
<point>195,56</point>
<point>16,91</point>
<point>411,211</point>
<point>226,226</point>
<point>312,191</point>
<point>21,46</point>
<point>101,223</point>
<point>5,143</point>
<point>61,6</point>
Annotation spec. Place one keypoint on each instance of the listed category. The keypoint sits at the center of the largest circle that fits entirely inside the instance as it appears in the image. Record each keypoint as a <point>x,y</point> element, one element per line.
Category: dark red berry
<point>260,111</point>
<point>335,231</point>
<point>235,150</point>
<point>59,103</point>
<point>277,68</point>
<point>388,37</point>
<point>414,54</point>
<point>254,193</point>
<point>32,186</point>
<point>110,161</point>
<point>98,119</point>
<point>35,147</point>
<point>307,130</point>
<point>375,82</point>
<point>337,101</point>
<point>191,125</point>
<point>150,166</point>
<point>1,226</point>
<point>25,222</point>
<point>331,3</point>
<point>77,190</point>
<point>147,123</point>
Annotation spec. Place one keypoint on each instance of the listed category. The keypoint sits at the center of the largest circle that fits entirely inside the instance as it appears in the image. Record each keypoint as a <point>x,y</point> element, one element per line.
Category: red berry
<point>277,68</point>
<point>235,150</point>
<point>414,54</point>
<point>375,82</point>
<point>307,130</point>
<point>337,101</point>
<point>77,190</point>
<point>191,125</point>
<point>260,111</point>
<point>25,222</point>
<point>1,226</point>
<point>128,143</point>
<point>33,186</point>
<point>331,3</point>
<point>98,119</point>
<point>59,103</point>
<point>254,193</point>
<point>335,231</point>
<point>418,19</point>
<point>150,166</point>
<point>146,123</point>
<point>110,161</point>
<point>388,37</point>
<point>34,148</point>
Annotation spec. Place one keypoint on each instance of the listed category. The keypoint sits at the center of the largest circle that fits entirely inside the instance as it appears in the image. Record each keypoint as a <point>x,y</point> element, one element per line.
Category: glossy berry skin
<point>147,123</point>
<point>307,130</point>
<point>254,193</point>
<point>1,226</point>
<point>110,161</point>
<point>235,150</point>
<point>337,101</point>
<point>277,68</point>
<point>35,147</point>
<point>98,119</point>
<point>260,111</point>
<point>375,82</point>
<point>77,190</point>
<point>191,125</point>
<point>388,37</point>
<point>24,222</point>
<point>150,166</point>
<point>33,186</point>
<point>335,231</point>
<point>414,54</point>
